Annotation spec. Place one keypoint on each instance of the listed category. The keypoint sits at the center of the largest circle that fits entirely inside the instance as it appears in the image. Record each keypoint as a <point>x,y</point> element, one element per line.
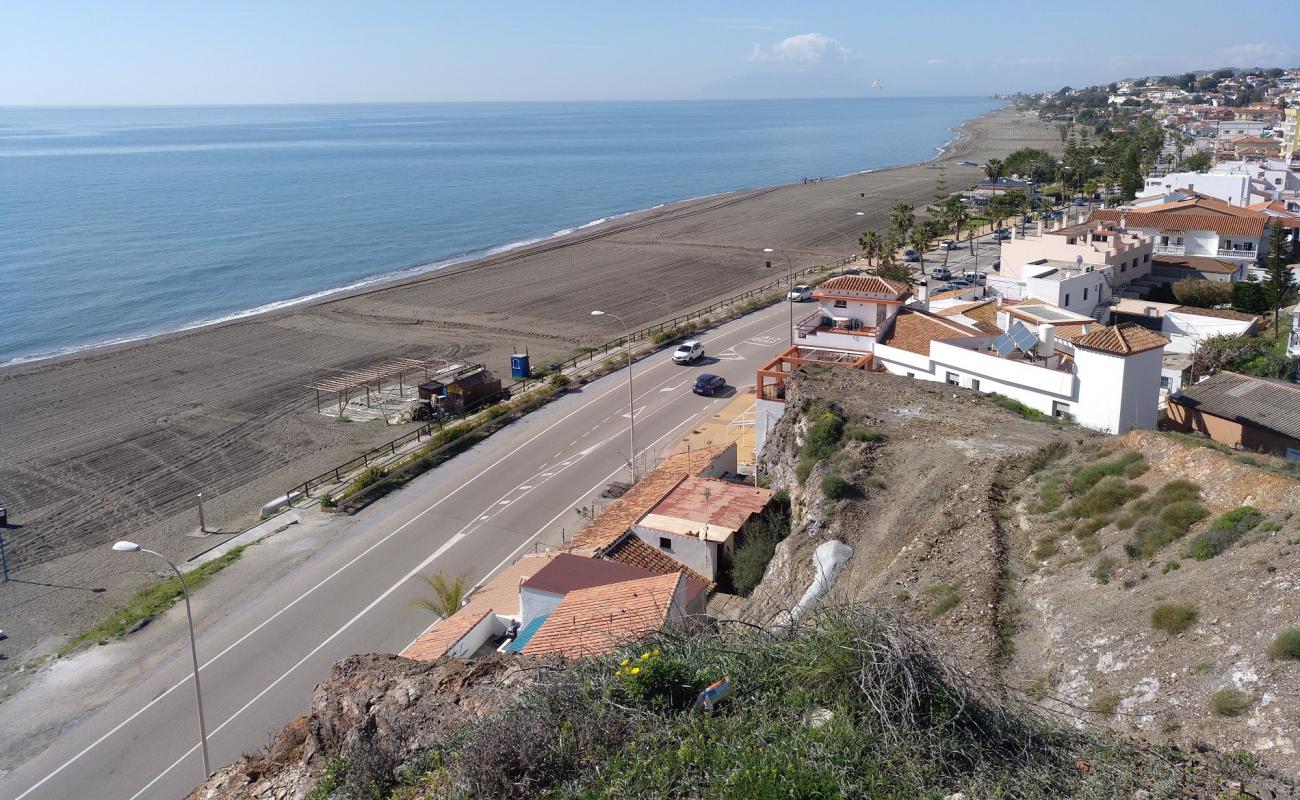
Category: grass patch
<point>1046,547</point>
<point>943,598</point>
<point>861,433</point>
<point>1173,521</point>
<point>1286,645</point>
<point>1224,532</point>
<point>1049,493</point>
<point>835,487</point>
<point>1015,407</point>
<point>1170,566</point>
<point>1174,618</point>
<point>1229,703</point>
<point>1104,569</point>
<point>902,723</point>
<point>1105,705</point>
<point>153,600</point>
<point>1089,475</point>
<point>1101,498</point>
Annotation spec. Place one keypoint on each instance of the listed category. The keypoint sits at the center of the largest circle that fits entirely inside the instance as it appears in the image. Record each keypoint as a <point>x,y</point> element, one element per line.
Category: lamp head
<point>598,313</point>
<point>126,547</point>
<point>768,250</point>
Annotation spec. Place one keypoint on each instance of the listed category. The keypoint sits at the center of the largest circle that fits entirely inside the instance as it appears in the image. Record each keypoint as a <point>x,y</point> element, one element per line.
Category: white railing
<point>1230,253</point>
<point>1169,249</point>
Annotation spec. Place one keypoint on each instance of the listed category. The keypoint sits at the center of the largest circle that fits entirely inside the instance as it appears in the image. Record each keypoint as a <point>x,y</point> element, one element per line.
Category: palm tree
<point>448,594</point>
<point>955,215</point>
<point>901,219</point>
<point>993,169</point>
<point>919,239</point>
<point>870,242</point>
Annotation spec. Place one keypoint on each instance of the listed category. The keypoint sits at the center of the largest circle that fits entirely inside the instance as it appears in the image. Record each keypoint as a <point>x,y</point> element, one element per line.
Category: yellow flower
<point>635,670</point>
<point>618,674</point>
<point>655,651</point>
<point>624,662</point>
<point>644,656</point>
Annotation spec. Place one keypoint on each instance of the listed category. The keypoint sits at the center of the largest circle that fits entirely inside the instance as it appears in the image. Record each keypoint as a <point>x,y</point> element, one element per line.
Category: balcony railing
<point>1170,250</point>
<point>1230,253</point>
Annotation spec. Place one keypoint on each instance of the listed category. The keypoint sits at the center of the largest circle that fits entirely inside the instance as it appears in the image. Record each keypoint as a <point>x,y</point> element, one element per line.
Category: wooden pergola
<point>394,370</point>
<point>772,376</point>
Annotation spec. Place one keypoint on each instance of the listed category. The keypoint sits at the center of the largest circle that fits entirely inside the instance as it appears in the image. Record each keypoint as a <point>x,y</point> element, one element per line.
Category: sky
<point>167,52</point>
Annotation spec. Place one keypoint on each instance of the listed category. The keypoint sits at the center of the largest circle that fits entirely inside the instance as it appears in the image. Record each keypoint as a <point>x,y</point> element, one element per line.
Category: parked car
<point>940,273</point>
<point>1079,201</point>
<point>997,264</point>
<point>688,352</point>
<point>800,294</point>
<point>947,244</point>
<point>851,272</point>
<point>911,255</point>
<point>1002,234</point>
<point>709,385</point>
<point>959,283</point>
<point>977,278</point>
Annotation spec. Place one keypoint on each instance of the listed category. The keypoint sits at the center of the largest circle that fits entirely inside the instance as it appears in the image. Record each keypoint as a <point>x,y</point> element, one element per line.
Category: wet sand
<point>114,442</point>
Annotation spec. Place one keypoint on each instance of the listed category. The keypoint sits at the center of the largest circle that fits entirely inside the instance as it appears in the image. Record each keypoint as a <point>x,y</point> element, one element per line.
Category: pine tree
<point>1279,288</point>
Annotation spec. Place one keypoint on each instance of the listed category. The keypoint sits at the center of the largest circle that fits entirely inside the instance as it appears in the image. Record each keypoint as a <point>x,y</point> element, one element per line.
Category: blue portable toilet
<point>519,366</point>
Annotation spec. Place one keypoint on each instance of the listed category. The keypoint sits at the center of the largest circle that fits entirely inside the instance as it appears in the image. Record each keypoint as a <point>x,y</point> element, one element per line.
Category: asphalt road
<point>261,660</point>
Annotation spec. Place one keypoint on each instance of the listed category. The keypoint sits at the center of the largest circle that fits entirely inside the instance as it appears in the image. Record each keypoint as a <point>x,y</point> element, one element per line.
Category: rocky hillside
<point>849,703</point>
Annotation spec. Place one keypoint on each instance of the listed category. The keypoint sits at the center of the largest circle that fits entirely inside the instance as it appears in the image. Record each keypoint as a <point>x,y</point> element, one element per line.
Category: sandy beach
<point>115,441</point>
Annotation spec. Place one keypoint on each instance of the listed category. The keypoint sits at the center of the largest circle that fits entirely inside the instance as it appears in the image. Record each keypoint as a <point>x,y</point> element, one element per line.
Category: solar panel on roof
<point>1004,345</point>
<point>1048,313</point>
<point>1023,338</point>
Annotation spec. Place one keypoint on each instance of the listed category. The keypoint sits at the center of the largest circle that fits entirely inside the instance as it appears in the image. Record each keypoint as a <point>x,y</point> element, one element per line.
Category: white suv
<point>688,352</point>
<point>801,293</point>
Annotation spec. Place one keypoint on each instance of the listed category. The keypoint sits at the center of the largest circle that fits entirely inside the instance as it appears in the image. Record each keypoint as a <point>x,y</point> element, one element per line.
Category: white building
<point>1199,226</point>
<point>1239,183</point>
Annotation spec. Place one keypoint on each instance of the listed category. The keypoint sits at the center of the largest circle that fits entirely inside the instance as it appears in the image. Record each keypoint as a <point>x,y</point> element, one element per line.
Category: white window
<point>1060,409</point>
<point>975,384</point>
<point>953,380</point>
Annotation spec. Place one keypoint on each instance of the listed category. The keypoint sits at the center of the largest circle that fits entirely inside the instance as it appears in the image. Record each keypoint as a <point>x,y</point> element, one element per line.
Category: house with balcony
<point>851,310</point>
<point>1198,226</point>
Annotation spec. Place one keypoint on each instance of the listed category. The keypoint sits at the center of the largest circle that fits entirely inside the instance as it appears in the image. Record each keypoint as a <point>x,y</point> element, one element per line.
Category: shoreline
<point>398,275</point>
<point>114,441</point>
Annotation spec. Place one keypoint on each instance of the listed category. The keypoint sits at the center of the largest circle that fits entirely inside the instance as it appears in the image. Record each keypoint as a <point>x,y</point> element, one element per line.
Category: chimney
<point>1046,340</point>
<point>923,295</point>
<point>1004,320</point>
<point>1040,227</point>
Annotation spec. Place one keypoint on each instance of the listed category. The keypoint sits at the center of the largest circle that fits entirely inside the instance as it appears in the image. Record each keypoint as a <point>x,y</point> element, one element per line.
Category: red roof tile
<point>592,621</point>
<point>1121,340</point>
<point>636,552</point>
<point>728,504</point>
<point>853,285</point>
<point>914,330</point>
<point>567,573</point>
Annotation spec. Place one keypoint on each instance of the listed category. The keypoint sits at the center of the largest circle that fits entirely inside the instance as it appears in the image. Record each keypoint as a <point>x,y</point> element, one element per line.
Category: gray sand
<point>114,442</point>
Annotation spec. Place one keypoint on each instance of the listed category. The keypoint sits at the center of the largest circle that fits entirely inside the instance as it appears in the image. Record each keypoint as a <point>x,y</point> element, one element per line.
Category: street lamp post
<point>631,396</point>
<point>132,547</point>
<point>790,280</point>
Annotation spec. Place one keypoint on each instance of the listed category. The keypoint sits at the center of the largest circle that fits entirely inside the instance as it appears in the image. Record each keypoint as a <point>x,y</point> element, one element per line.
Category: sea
<point>120,223</point>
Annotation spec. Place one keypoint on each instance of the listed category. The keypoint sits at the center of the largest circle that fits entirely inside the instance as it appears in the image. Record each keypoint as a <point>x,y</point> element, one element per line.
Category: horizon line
<point>301,103</point>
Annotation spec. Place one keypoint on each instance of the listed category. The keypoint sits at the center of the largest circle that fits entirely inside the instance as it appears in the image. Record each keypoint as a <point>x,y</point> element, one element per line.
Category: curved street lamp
<point>132,547</point>
<point>631,396</point>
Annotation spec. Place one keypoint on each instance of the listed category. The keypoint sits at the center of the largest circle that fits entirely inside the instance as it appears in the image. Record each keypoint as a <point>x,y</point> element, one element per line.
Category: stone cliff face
<point>382,707</point>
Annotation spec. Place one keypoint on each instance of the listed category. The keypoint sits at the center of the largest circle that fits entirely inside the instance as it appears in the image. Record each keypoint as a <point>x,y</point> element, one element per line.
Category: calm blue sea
<point>121,222</point>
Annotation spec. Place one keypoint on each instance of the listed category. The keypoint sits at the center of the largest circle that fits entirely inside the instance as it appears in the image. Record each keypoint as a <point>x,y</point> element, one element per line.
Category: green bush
<point>1049,493</point>
<point>756,544</point>
<point>559,380</point>
<point>1172,523</point>
<point>1287,645</point>
<point>1089,475</point>
<point>1229,702</point>
<point>803,468</point>
<point>859,433</point>
<point>835,487</point>
<point>1102,498</point>
<point>1105,705</point>
<point>824,434</point>
<point>1224,532</point>
<point>1046,548</point>
<point>1104,569</point>
<point>1174,618</point>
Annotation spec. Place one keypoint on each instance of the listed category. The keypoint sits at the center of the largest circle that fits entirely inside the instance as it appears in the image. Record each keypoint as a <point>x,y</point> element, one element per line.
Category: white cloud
<point>1255,55</point>
<point>937,61</point>
<point>806,48</point>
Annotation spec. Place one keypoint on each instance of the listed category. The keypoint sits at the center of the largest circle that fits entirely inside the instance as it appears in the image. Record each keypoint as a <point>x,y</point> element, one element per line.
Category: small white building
<point>850,311</point>
<point>1199,226</point>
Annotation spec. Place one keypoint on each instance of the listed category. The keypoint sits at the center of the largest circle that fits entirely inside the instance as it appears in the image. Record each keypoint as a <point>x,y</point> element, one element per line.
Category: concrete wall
<point>478,636</point>
<point>1118,393</point>
<point>534,603</point>
<point>700,555</point>
<point>1186,331</point>
<point>835,340</point>
<point>1036,387</point>
<point>766,414</point>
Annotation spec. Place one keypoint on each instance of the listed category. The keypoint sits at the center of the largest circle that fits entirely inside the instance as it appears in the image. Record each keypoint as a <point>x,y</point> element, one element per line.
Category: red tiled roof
<point>914,330</point>
<point>499,595</point>
<point>728,504</point>
<point>861,284</point>
<point>983,312</point>
<point>1121,340</point>
<point>592,621</point>
<point>654,486</point>
<point>567,573</point>
<point>1198,213</point>
<point>1198,263</point>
